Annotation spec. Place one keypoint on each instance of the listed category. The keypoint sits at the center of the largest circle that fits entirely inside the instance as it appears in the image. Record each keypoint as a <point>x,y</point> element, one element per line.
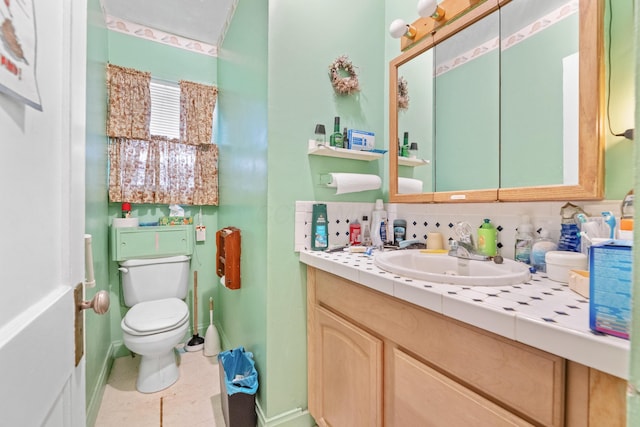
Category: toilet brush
<point>196,342</point>
<point>211,337</point>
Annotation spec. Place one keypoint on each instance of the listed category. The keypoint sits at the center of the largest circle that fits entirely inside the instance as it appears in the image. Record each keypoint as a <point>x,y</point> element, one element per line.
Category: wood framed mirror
<point>576,113</point>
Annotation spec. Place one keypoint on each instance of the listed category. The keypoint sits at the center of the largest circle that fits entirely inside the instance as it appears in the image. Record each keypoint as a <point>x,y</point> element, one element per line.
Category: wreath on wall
<point>344,85</point>
<point>403,94</point>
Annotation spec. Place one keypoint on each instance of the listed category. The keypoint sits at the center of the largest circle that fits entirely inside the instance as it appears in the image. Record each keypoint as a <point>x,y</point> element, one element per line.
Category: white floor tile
<point>194,400</point>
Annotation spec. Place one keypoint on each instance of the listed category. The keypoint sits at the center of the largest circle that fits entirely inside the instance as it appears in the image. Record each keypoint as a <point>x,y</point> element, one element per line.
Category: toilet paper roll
<point>409,186</point>
<point>354,182</point>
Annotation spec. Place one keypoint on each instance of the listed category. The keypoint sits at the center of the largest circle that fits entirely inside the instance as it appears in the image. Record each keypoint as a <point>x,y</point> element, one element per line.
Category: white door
<point>42,134</point>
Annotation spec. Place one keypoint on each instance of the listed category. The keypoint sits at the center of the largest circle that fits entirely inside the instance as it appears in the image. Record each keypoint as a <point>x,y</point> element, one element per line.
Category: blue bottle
<point>319,228</point>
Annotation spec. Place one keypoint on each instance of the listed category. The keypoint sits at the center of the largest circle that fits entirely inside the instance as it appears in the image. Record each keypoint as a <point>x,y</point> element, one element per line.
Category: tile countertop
<point>541,313</point>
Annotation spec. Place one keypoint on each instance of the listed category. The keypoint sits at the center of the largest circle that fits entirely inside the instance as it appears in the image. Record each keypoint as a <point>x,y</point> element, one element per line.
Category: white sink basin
<point>442,268</point>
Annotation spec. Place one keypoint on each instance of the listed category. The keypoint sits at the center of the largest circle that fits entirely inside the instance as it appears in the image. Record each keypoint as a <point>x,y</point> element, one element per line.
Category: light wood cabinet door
<point>424,397</point>
<point>347,373</point>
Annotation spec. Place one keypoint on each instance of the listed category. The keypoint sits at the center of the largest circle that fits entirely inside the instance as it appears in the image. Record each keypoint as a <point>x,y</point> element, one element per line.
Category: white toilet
<point>158,319</point>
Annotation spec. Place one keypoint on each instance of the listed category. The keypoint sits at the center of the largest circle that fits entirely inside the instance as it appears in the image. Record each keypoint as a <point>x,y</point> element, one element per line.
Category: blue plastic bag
<point>239,371</point>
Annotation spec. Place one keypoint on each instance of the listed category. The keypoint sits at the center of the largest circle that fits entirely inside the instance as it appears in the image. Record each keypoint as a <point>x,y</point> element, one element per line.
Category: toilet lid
<point>156,316</point>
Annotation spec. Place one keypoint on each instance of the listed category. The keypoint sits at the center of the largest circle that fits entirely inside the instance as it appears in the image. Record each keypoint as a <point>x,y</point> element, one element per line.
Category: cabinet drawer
<point>146,242</point>
<point>424,397</point>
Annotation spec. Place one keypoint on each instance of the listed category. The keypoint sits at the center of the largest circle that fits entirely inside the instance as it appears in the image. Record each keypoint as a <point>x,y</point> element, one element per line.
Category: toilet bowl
<point>158,318</point>
<point>152,329</point>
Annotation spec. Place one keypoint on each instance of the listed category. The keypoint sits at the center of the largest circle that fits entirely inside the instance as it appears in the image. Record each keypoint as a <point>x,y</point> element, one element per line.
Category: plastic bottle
<point>355,236</point>
<point>487,238</point>
<point>365,231</point>
<point>404,150</point>
<point>335,139</point>
<point>524,241</point>
<point>539,250</point>
<point>379,225</point>
<point>319,227</point>
<point>399,231</point>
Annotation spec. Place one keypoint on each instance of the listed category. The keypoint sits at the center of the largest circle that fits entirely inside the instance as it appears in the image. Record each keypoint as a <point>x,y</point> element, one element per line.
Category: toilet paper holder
<point>228,257</point>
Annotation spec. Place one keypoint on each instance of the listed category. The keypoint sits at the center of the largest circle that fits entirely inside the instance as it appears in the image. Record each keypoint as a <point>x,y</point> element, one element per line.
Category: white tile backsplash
<point>440,217</point>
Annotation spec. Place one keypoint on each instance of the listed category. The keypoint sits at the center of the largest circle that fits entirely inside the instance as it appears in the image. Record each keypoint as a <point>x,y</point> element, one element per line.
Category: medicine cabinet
<point>507,102</point>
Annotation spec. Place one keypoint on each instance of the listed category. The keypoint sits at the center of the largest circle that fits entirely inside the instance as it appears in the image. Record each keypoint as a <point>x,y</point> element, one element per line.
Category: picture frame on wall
<point>18,43</point>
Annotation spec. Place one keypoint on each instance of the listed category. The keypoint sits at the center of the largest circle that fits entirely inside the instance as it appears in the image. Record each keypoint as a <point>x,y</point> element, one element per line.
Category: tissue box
<point>361,140</point>
<point>610,284</point>
<point>175,220</point>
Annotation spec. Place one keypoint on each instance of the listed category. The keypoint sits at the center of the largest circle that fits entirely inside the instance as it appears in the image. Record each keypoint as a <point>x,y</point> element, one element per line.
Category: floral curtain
<point>129,111</point>
<point>197,102</point>
<point>155,169</point>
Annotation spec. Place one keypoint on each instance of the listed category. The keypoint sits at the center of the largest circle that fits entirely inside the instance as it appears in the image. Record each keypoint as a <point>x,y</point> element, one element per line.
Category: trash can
<point>238,386</point>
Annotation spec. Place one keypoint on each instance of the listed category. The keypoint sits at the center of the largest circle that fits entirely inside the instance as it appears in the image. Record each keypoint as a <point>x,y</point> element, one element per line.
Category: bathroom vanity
<point>384,349</point>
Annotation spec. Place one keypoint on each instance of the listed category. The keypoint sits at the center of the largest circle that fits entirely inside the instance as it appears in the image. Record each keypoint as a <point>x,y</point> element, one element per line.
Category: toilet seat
<point>152,317</point>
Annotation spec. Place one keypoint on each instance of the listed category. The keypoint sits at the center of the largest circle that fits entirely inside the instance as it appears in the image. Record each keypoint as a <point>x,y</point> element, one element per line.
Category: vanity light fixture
<point>399,28</point>
<point>430,9</point>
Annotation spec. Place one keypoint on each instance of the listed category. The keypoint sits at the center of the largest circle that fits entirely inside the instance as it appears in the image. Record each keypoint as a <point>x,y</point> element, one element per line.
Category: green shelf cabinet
<point>151,242</point>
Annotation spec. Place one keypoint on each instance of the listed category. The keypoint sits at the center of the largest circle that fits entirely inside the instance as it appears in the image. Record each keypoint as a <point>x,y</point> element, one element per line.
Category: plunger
<point>196,342</point>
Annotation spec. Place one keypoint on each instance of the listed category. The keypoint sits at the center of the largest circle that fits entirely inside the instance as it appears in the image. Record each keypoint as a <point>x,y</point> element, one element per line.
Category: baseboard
<point>294,418</point>
<point>96,395</point>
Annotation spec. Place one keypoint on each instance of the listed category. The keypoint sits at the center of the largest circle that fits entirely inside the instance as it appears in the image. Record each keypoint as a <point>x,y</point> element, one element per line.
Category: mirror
<point>539,96</point>
<point>515,134</point>
<point>468,65</point>
<point>416,121</point>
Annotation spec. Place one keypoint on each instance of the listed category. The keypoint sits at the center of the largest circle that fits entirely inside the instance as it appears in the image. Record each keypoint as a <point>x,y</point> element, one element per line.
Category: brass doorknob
<point>99,303</point>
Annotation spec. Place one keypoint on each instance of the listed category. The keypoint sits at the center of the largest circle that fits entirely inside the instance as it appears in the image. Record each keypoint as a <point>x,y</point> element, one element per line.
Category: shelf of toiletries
<point>413,162</point>
<point>326,150</point>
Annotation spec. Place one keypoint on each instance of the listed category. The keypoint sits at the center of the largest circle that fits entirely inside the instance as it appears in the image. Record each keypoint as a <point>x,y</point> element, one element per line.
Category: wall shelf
<point>406,161</point>
<point>325,150</point>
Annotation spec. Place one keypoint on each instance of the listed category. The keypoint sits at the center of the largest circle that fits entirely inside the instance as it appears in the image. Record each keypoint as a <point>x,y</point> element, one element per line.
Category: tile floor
<point>194,400</point>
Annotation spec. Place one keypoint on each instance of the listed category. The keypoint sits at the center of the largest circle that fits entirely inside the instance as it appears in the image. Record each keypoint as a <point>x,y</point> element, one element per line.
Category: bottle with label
<point>399,231</point>
<point>366,231</point>
<point>319,227</point>
<point>524,241</point>
<point>404,150</point>
<point>355,236</point>
<point>379,225</point>
<point>336,137</point>
<point>345,139</point>
<point>539,250</point>
<point>487,238</point>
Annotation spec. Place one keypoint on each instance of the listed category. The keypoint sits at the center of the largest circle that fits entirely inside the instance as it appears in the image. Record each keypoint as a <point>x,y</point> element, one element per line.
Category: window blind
<point>165,109</point>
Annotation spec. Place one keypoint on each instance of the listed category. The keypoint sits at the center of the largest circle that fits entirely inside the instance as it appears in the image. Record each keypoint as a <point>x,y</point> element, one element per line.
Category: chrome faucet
<point>463,246</point>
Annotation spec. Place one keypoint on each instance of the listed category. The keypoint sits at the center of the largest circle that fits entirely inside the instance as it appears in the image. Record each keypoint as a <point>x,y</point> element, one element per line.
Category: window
<point>160,133</point>
<point>165,109</point>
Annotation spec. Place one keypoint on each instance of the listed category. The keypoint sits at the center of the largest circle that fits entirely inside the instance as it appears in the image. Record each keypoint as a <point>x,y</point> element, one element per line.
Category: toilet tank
<point>154,278</point>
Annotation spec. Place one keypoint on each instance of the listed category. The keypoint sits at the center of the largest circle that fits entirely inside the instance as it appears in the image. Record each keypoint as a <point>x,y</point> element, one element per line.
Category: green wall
<point>275,87</point>
<point>243,178</point>
<point>304,39</point>
<point>619,166</point>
